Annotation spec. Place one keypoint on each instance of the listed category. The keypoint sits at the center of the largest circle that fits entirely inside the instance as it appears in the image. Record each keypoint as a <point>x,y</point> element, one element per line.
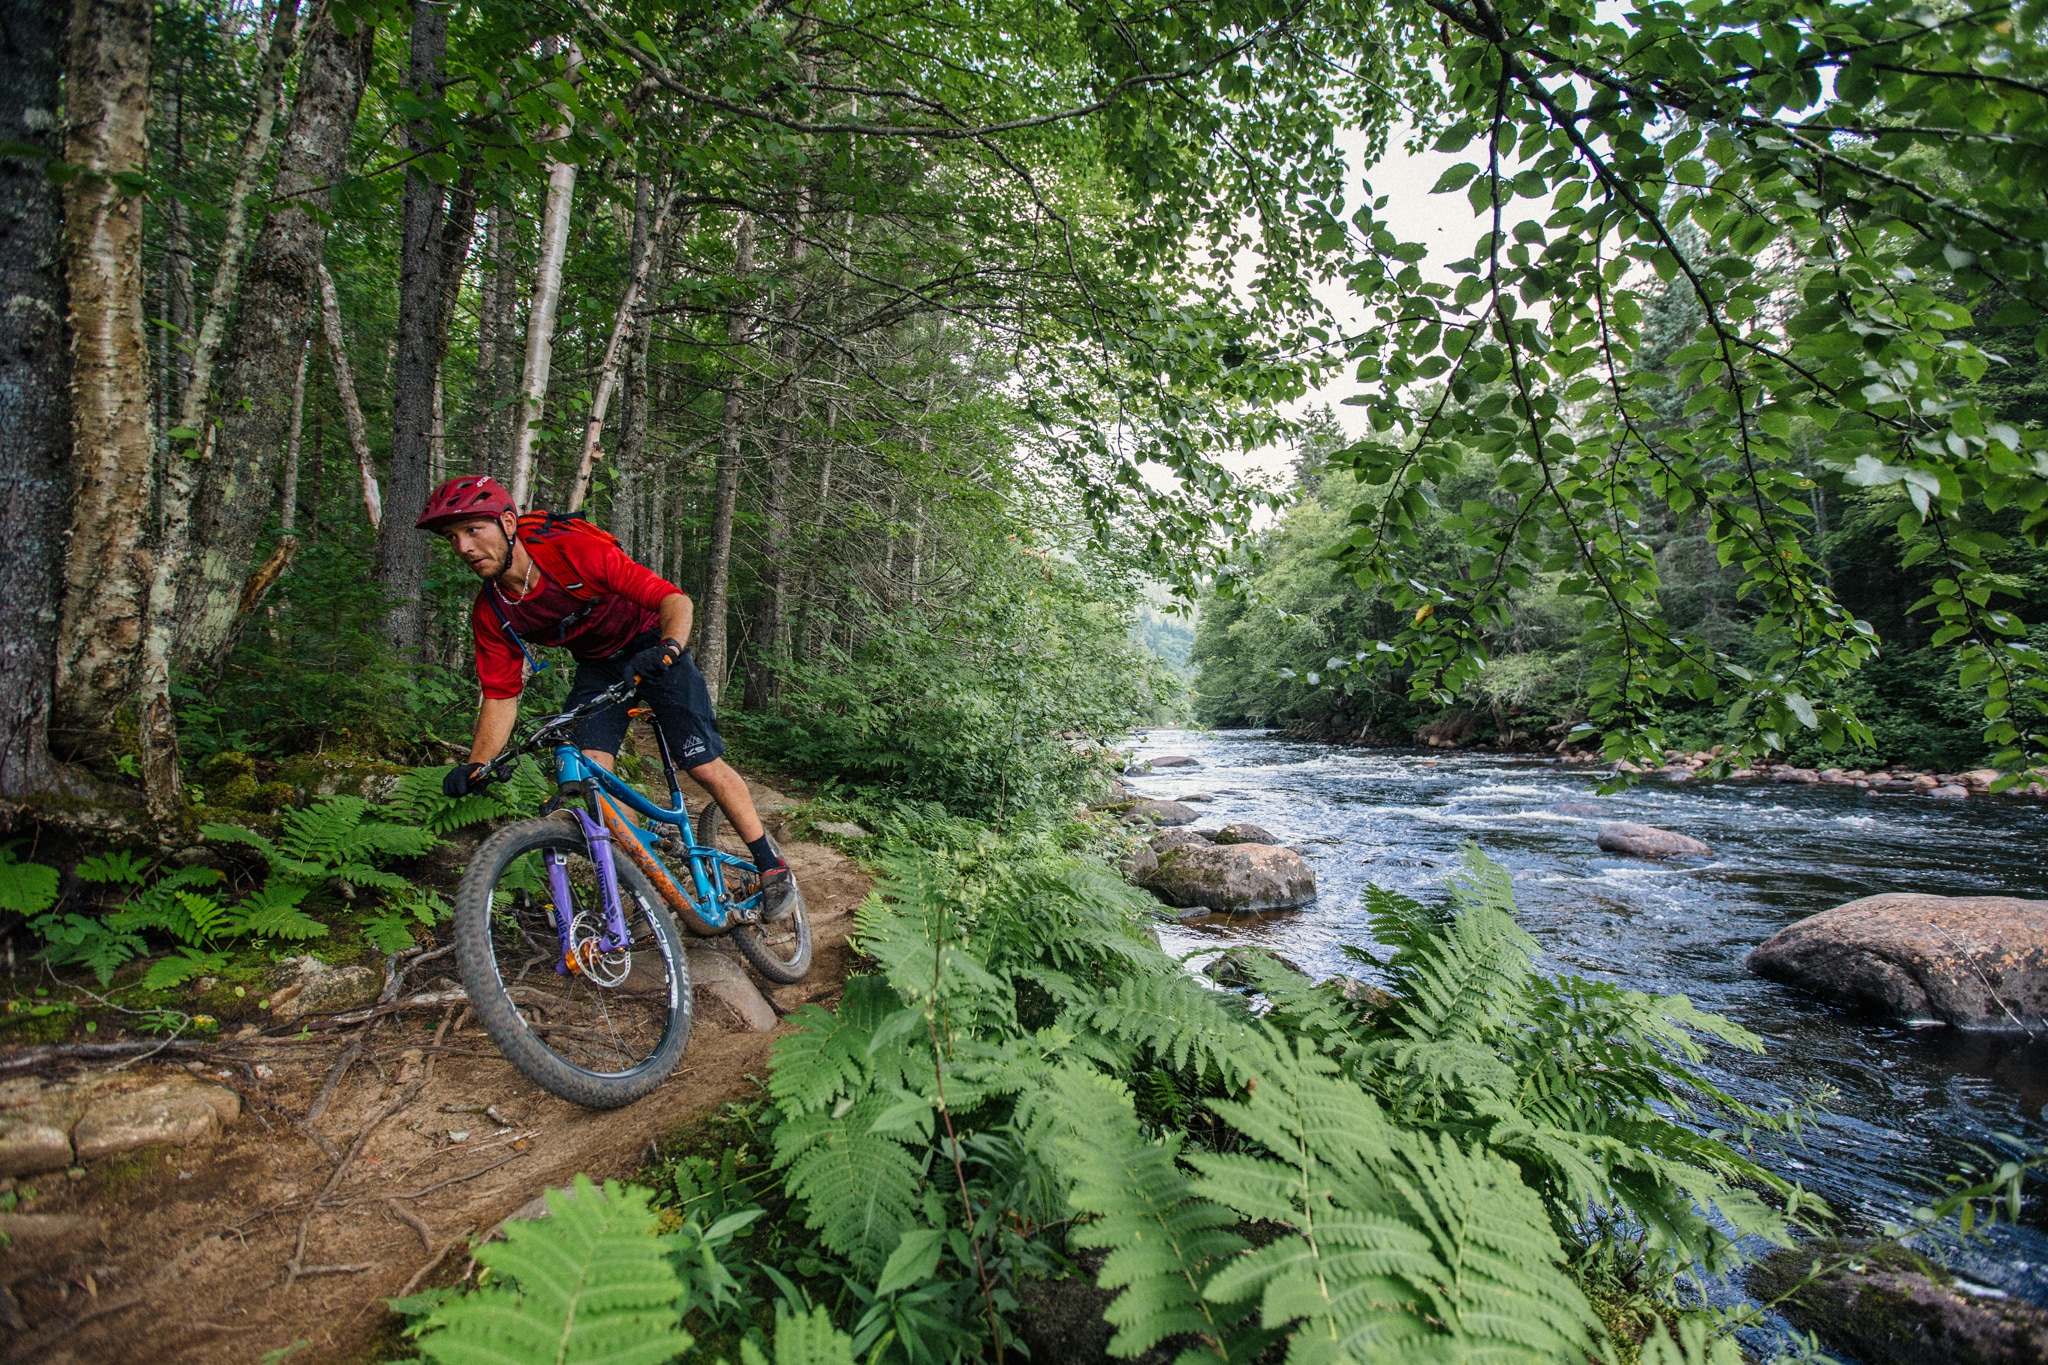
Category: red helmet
<point>472,495</point>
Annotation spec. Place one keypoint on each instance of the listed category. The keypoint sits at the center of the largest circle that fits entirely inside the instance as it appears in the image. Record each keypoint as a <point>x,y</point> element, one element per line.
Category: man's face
<point>484,543</point>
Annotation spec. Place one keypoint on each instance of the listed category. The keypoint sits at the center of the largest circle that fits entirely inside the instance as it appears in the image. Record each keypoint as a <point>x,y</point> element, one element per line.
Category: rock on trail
<point>1647,841</point>
<point>1972,961</point>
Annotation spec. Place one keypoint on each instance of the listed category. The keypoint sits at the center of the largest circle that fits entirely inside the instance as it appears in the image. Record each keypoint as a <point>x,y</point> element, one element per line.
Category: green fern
<point>419,800</point>
<point>589,1283</point>
<point>1170,1015</point>
<point>809,1339</point>
<point>273,912</point>
<point>182,966</point>
<point>118,868</point>
<point>25,888</point>
<point>1404,1246</point>
<point>1164,1239</point>
<point>859,1186</point>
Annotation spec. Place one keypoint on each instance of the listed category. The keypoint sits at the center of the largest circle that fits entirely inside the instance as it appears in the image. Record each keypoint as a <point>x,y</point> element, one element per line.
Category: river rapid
<point>1910,1100</point>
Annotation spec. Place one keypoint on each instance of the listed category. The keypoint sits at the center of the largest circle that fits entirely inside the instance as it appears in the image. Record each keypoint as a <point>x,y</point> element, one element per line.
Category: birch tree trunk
<point>494,435</point>
<point>159,734</point>
<point>624,520</point>
<point>402,550</point>
<point>615,352</point>
<point>107,563</point>
<point>288,512</point>
<point>35,394</point>
<point>725,492</point>
<point>771,613</point>
<point>280,289</point>
<point>345,389</point>
<point>480,394</point>
<point>547,298</point>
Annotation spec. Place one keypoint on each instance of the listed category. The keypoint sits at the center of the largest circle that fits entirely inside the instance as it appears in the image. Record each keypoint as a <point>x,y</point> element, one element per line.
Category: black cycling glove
<point>655,660</point>
<point>462,780</point>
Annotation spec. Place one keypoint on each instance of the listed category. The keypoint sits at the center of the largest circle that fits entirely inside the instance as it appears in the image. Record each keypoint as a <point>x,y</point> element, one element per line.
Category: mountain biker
<point>618,619</point>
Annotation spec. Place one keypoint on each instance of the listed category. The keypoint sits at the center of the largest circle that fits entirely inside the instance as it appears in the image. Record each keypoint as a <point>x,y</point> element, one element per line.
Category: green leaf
<point>25,888</point>
<point>913,1260</point>
<point>587,1285</point>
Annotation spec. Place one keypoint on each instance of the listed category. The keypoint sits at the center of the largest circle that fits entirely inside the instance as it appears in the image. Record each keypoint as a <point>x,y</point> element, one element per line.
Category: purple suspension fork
<point>614,936</point>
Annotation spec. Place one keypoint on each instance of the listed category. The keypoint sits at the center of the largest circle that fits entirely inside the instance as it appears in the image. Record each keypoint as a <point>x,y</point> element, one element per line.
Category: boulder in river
<point>1175,761</point>
<point>1234,877</point>
<point>1178,836</point>
<point>1244,832</point>
<point>1233,969</point>
<point>1162,813</point>
<point>1950,791</point>
<point>1647,841</point>
<point>1888,1306</point>
<point>1972,961</point>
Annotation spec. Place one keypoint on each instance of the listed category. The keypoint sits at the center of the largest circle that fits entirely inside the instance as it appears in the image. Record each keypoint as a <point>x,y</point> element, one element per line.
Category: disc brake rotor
<point>586,958</point>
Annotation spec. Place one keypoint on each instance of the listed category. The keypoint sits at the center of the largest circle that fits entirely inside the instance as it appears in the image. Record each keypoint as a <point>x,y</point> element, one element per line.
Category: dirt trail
<point>181,1256</point>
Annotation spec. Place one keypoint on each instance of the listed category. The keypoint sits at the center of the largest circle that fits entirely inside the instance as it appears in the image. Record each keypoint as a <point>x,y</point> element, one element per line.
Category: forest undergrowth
<point>1471,1159</point>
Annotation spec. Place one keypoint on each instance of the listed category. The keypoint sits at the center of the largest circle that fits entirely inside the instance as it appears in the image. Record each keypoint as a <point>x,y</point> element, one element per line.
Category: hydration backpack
<point>543,533</point>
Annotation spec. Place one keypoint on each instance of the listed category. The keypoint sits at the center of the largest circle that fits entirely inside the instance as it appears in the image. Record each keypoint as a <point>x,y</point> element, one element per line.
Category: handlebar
<point>500,768</point>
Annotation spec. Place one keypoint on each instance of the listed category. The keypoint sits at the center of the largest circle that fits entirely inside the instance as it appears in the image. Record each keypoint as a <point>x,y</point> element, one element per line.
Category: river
<point>1910,1100</point>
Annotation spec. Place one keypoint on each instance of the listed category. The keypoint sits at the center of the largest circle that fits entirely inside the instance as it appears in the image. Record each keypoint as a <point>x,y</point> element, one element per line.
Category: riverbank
<point>1907,1102</point>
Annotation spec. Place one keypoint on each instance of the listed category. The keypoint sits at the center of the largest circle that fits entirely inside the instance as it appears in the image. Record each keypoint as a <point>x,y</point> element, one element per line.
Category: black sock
<point>765,856</point>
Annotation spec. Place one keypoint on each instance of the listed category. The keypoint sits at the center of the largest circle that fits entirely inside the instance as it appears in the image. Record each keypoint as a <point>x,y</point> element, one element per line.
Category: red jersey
<point>593,627</point>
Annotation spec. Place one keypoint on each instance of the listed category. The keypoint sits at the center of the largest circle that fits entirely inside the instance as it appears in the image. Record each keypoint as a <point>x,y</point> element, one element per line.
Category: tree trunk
<point>402,550</point>
<point>615,347</point>
<point>107,564</point>
<point>494,453</point>
<point>547,297</point>
<point>624,520</point>
<point>345,390</point>
<point>159,736</point>
<point>288,513</point>
<point>458,233</point>
<point>486,348</point>
<point>772,621</point>
<point>35,392</point>
<point>277,315</point>
<point>725,494</point>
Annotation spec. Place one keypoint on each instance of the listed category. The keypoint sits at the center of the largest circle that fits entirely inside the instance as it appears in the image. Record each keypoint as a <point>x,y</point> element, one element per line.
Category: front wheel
<point>781,950</point>
<point>602,1033</point>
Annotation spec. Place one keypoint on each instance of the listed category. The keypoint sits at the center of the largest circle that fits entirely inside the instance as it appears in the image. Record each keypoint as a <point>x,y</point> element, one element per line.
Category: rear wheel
<point>779,950</point>
<point>603,1033</point>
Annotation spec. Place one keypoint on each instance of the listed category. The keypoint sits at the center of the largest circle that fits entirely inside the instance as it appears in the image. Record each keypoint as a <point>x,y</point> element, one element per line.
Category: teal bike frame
<point>600,800</point>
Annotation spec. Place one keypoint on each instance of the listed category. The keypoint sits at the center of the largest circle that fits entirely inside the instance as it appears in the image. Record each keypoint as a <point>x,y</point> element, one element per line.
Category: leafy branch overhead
<point>1845,196</point>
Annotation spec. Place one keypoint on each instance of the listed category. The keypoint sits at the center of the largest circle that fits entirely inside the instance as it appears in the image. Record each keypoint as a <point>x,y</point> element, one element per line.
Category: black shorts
<point>679,698</point>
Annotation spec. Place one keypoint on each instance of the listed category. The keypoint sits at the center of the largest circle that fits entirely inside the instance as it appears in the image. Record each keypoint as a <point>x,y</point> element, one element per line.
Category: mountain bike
<point>566,924</point>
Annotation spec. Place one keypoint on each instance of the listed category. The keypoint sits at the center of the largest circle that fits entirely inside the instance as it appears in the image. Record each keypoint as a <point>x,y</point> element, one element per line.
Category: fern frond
<point>1171,1015</point>
<point>119,868</point>
<point>589,1284</point>
<point>1164,1240</point>
<point>183,966</point>
<point>859,1187</point>
<point>803,1339</point>
<point>25,888</point>
<point>1457,977</point>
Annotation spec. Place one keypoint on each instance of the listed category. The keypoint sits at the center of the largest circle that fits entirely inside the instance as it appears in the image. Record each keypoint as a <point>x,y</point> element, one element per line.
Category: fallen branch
<point>58,1052</point>
<point>296,1267</point>
<point>425,1000</point>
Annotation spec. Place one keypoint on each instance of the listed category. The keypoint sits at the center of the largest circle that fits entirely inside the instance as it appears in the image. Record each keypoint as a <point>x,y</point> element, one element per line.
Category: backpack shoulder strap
<point>490,596</point>
<point>543,533</point>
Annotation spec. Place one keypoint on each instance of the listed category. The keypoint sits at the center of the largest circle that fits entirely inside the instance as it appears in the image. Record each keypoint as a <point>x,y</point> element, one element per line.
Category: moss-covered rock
<point>1881,1302</point>
<point>341,775</point>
